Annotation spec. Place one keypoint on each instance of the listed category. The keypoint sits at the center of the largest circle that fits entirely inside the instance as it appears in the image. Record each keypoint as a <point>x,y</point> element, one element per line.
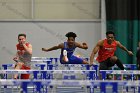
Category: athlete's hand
<point>130,53</point>
<point>22,43</point>
<point>43,49</point>
<point>15,59</point>
<point>84,43</point>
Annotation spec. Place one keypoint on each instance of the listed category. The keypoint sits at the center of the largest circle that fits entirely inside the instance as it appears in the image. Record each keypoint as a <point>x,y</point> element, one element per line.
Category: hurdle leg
<point>139,89</point>
<point>134,87</point>
<point>115,87</point>
<point>102,74</point>
<point>38,86</point>
<point>45,89</point>
<point>24,87</point>
<point>87,67</point>
<point>92,89</point>
<point>50,62</point>
<point>5,68</point>
<point>103,87</point>
<point>42,66</point>
<point>126,88</point>
<point>5,75</point>
<point>96,68</point>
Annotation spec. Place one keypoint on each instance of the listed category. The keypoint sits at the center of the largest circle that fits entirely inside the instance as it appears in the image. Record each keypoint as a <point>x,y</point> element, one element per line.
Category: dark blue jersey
<point>72,59</point>
<point>69,50</point>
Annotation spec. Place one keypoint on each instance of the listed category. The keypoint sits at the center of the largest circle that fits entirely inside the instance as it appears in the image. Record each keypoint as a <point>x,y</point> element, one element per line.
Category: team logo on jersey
<point>109,49</point>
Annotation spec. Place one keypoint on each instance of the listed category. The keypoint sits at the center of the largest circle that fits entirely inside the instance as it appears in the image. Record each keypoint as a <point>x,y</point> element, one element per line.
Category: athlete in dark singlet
<point>106,49</point>
<point>67,49</point>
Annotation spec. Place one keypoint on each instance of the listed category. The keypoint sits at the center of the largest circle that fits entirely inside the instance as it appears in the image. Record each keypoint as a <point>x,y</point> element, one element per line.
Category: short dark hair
<point>71,34</point>
<point>110,32</point>
<point>22,35</point>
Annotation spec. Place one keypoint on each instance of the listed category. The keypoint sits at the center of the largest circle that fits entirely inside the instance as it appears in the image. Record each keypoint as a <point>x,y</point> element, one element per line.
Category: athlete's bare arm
<point>124,48</point>
<point>53,48</point>
<point>95,50</point>
<point>82,46</point>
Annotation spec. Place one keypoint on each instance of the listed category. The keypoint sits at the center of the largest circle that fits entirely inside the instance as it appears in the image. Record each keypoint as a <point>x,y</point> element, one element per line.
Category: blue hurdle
<point>127,66</point>
<point>101,84</point>
<point>5,67</point>
<point>69,66</point>
<point>129,72</point>
<point>48,74</point>
<point>67,74</point>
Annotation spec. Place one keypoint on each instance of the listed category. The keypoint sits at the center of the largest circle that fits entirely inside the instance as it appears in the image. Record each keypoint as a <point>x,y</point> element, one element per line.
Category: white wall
<point>46,34</point>
<point>49,9</point>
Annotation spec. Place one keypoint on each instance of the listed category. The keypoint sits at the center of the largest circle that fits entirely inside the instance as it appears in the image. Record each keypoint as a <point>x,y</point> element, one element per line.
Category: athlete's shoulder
<point>28,44</point>
<point>100,42</point>
<point>117,42</point>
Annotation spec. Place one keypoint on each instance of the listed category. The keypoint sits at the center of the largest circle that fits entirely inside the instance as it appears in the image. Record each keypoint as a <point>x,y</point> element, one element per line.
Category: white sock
<point>65,55</point>
<point>65,52</point>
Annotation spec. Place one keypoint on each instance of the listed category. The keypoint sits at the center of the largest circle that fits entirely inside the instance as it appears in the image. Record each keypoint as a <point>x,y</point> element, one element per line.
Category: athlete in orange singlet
<point>106,49</point>
<point>23,56</point>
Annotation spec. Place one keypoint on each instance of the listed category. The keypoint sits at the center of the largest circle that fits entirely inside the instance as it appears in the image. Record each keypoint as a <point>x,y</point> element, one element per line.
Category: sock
<point>65,55</point>
<point>64,52</point>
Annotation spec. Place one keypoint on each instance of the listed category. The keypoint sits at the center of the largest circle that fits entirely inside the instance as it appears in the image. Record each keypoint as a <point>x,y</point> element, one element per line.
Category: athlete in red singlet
<point>106,49</point>
<point>23,56</point>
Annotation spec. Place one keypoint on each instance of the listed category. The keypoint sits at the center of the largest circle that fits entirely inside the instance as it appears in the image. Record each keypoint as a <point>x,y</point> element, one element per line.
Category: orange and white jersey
<point>23,55</point>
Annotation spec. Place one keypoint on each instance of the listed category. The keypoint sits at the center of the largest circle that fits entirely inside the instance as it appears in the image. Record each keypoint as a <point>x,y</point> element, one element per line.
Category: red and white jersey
<point>106,51</point>
<point>23,55</point>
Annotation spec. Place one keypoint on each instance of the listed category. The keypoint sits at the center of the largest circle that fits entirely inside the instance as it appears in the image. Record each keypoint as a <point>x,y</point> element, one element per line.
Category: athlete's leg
<point>65,58</point>
<point>77,60</point>
<point>73,60</point>
<point>115,60</point>
<point>104,65</point>
<point>85,62</point>
<point>18,67</point>
<point>25,76</point>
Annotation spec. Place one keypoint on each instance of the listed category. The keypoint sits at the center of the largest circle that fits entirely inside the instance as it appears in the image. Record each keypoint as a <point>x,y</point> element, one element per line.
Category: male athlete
<point>67,49</point>
<point>23,56</point>
<point>106,49</point>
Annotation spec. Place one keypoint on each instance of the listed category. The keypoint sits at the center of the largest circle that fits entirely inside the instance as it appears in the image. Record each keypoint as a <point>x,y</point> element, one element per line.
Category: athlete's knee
<point>85,62</point>
<point>18,65</point>
<point>113,58</point>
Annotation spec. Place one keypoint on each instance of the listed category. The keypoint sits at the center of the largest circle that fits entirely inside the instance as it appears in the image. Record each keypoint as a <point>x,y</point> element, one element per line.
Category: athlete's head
<point>21,38</point>
<point>71,38</point>
<point>110,36</point>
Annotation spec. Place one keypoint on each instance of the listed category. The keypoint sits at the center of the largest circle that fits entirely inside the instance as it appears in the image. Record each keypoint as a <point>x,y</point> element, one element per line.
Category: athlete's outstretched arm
<point>53,48</point>
<point>83,45</point>
<point>124,48</point>
<point>95,50</point>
